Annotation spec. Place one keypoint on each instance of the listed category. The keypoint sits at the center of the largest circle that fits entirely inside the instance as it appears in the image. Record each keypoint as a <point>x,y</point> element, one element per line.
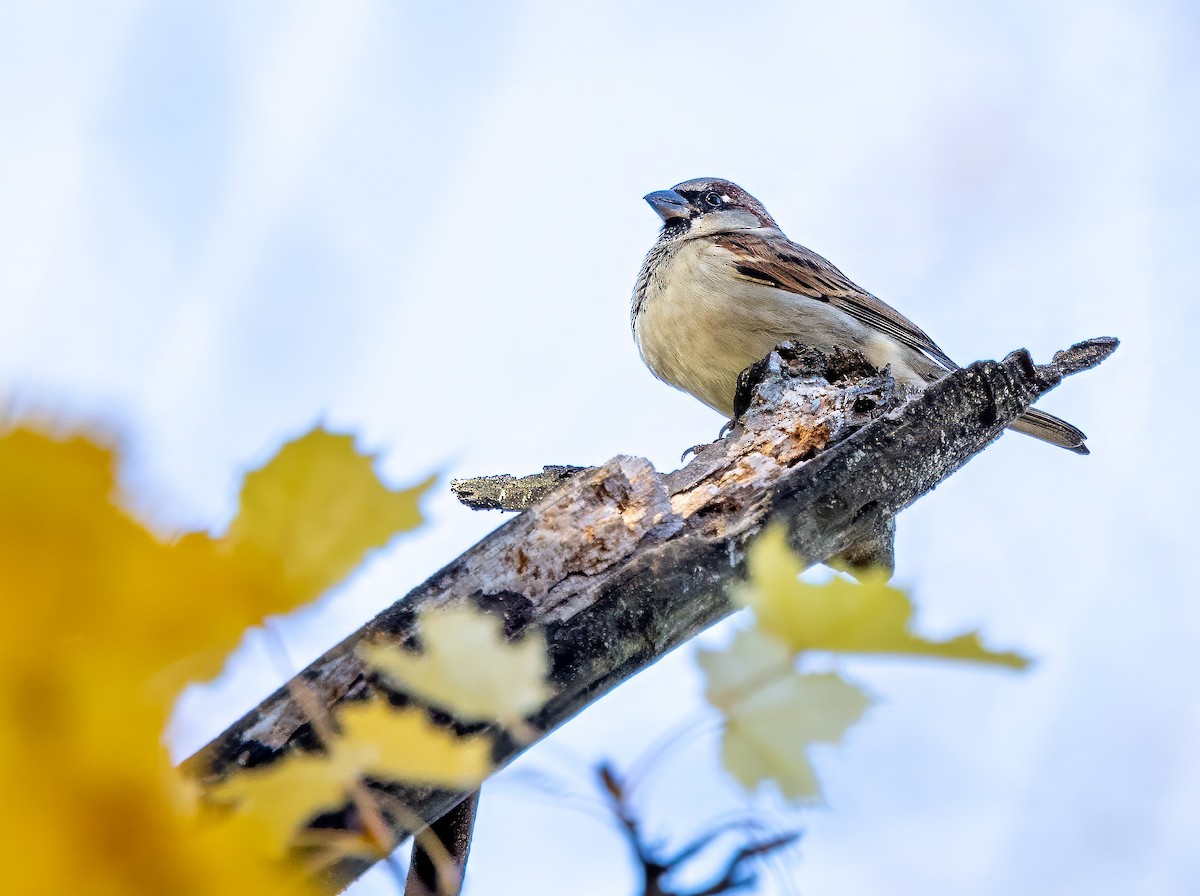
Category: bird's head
<point>708,205</point>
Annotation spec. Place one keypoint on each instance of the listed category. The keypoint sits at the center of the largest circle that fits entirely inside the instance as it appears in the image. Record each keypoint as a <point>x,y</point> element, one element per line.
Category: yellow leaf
<point>97,609</point>
<point>105,621</point>
<point>866,617</point>
<point>751,660</point>
<point>315,510</point>
<point>773,713</point>
<point>377,741</point>
<point>283,797</point>
<point>404,745</point>
<point>467,667</point>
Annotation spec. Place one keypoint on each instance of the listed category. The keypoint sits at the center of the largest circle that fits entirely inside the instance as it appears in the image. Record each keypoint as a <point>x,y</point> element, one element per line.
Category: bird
<point>722,286</point>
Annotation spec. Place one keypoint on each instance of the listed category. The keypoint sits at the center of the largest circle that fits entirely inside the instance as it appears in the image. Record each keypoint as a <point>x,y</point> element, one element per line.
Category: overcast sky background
<point>221,223</point>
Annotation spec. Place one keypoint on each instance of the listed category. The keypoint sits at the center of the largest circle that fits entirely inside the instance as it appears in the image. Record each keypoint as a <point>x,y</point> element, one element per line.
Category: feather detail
<point>1050,429</point>
<point>772,258</point>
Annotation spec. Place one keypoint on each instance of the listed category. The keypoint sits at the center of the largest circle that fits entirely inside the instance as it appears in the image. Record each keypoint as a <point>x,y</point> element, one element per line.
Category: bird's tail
<point>1051,429</point>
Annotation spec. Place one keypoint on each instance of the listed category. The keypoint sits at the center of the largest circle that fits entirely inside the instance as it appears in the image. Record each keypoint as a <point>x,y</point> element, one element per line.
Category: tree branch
<point>454,830</point>
<point>505,492</point>
<point>621,564</point>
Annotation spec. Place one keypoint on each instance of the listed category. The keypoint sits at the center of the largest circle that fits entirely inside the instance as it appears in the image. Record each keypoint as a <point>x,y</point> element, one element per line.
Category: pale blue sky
<point>223,222</point>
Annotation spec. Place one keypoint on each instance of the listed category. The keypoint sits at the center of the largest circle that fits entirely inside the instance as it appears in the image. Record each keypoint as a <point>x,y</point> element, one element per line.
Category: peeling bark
<point>620,564</point>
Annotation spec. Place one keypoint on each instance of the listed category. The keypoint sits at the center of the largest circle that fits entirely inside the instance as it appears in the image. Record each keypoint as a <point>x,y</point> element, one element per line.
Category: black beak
<point>669,205</point>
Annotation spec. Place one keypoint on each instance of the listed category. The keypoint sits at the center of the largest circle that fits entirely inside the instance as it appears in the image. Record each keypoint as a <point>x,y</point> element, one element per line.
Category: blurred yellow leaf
<point>773,713</point>
<point>315,510</point>
<point>467,667</point>
<point>752,659</point>
<point>404,745</point>
<point>866,617</point>
<point>105,623</point>
<point>377,741</point>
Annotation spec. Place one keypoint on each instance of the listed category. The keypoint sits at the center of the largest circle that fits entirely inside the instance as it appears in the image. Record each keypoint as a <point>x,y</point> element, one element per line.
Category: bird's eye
<point>712,200</point>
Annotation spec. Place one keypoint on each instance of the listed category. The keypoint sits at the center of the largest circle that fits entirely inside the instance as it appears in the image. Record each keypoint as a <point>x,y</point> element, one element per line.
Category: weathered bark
<point>621,564</point>
<point>505,492</point>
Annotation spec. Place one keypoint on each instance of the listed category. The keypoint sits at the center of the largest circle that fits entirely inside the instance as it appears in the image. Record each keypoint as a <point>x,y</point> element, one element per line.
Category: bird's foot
<point>695,449</point>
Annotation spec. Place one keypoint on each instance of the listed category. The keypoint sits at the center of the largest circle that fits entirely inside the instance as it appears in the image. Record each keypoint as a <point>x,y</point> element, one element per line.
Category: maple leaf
<point>467,667</point>
<point>315,510</point>
<point>865,617</point>
<point>103,615</point>
<point>377,741</point>
<point>774,713</point>
<point>106,623</point>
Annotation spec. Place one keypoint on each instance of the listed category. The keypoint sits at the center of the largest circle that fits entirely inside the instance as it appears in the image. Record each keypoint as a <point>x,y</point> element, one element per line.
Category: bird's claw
<point>725,430</point>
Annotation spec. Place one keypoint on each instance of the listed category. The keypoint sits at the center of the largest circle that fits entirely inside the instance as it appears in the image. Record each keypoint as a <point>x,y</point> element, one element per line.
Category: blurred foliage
<point>374,740</point>
<point>771,712</point>
<point>107,622</point>
<point>468,667</point>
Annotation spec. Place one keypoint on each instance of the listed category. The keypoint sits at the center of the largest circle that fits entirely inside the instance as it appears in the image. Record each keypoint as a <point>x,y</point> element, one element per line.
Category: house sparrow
<point>722,286</point>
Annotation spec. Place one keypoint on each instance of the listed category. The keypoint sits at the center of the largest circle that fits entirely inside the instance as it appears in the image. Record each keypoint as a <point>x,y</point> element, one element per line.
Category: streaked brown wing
<point>779,262</point>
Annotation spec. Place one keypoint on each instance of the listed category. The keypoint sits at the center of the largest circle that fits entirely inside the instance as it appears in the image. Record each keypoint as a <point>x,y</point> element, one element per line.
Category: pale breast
<point>698,325</point>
